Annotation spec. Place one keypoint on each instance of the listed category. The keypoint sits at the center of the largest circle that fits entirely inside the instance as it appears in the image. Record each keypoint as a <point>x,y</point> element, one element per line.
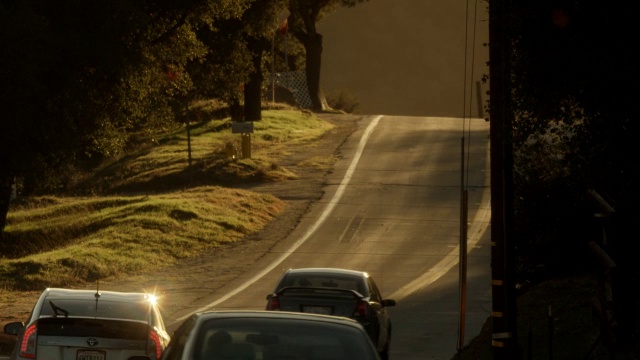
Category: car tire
<point>384,354</point>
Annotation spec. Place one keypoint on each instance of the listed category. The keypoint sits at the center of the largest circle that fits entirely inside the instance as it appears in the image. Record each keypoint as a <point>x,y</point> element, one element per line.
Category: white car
<point>91,325</point>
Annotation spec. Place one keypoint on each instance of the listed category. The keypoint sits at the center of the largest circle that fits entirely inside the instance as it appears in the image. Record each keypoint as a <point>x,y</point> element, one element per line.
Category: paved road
<point>392,208</point>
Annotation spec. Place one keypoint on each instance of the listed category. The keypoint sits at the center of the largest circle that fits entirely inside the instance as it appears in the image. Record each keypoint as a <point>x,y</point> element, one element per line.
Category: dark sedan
<point>336,292</point>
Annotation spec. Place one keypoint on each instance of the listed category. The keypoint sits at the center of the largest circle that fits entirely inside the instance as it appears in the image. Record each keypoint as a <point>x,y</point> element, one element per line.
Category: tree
<point>575,119</point>
<point>573,65</point>
<point>262,20</point>
<point>573,78</point>
<point>233,67</point>
<point>304,14</point>
<point>79,79</point>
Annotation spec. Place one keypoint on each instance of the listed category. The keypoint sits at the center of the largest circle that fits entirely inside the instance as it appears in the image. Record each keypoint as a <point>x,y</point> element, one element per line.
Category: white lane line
<point>479,225</point>
<point>325,214</point>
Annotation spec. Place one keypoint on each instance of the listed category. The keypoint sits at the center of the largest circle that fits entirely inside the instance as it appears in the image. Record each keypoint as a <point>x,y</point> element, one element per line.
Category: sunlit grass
<point>85,239</point>
<point>165,166</point>
<point>164,210</point>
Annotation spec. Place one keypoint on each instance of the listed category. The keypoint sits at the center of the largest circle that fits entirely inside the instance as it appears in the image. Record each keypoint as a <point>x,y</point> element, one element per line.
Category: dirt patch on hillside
<point>310,162</point>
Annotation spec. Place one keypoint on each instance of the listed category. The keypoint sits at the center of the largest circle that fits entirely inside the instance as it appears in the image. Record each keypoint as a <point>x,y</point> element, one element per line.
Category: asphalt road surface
<point>392,208</point>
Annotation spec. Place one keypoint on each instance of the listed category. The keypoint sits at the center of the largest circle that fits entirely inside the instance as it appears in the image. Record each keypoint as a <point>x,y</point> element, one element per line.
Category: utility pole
<point>503,314</point>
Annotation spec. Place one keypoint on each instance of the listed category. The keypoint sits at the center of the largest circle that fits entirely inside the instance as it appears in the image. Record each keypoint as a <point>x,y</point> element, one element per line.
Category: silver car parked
<point>91,325</point>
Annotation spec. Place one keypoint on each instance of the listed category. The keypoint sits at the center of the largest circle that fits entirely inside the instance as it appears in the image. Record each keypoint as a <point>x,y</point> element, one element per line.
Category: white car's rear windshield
<point>97,309</point>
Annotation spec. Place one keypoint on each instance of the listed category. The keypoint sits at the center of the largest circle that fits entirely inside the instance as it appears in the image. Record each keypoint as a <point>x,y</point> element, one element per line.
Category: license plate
<point>323,310</point>
<point>90,355</point>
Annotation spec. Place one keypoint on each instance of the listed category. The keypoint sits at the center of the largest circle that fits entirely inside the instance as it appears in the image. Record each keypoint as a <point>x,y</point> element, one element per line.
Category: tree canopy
<point>79,79</point>
<point>304,15</point>
<point>575,127</point>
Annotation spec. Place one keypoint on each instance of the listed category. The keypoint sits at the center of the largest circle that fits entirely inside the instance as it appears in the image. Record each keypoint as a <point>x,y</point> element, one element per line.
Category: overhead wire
<point>467,119</point>
<point>464,168</point>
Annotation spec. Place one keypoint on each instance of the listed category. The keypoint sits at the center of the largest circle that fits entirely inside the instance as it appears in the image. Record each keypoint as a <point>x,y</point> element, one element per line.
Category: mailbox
<point>242,127</point>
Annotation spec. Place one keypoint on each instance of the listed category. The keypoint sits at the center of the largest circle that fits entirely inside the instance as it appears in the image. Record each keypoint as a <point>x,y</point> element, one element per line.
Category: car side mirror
<point>13,328</point>
<point>388,302</point>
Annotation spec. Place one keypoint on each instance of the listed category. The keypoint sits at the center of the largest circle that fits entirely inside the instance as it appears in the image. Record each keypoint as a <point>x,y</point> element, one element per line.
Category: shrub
<point>342,100</point>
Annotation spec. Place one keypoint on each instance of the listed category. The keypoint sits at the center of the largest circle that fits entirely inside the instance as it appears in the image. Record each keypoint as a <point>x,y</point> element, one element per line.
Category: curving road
<point>392,208</point>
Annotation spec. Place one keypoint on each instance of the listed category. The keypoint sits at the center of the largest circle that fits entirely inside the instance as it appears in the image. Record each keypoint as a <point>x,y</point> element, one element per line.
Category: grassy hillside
<point>152,208</point>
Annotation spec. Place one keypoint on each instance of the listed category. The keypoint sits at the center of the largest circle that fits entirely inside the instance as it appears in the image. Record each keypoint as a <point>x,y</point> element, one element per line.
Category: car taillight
<point>274,303</point>
<point>155,345</point>
<point>362,311</point>
<point>28,346</point>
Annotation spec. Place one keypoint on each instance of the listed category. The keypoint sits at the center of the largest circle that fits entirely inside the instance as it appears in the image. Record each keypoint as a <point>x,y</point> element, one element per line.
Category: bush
<point>342,100</point>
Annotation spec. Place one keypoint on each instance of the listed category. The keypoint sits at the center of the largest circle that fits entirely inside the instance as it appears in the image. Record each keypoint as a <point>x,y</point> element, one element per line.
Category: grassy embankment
<point>153,209</point>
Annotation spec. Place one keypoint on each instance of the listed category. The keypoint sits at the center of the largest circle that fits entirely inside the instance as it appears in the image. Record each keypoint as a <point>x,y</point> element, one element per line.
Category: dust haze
<point>407,57</point>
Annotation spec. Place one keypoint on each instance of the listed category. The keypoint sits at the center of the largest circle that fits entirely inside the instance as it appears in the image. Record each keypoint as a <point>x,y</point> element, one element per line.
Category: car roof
<point>336,271</point>
<point>264,314</point>
<point>60,293</point>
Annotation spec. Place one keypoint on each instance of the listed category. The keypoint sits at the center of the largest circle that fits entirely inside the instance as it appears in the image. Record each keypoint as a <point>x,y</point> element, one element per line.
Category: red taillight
<point>362,311</point>
<point>155,345</point>
<point>28,346</point>
<point>274,303</point>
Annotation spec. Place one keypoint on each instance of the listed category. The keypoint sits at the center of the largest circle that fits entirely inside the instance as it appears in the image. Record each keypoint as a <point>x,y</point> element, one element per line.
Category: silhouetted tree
<point>232,69</point>
<point>573,71</point>
<point>304,14</point>
<point>78,79</point>
<point>262,20</point>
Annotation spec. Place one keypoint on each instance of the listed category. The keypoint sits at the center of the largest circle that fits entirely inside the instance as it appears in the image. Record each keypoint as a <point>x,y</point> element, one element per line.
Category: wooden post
<point>504,318</point>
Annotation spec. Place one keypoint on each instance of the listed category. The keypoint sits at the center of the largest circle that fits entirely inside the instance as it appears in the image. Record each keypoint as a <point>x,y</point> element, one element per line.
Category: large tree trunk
<point>253,89</point>
<point>313,49</point>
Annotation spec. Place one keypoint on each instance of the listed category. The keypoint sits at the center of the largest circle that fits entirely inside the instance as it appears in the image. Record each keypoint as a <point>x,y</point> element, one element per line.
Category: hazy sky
<point>407,57</point>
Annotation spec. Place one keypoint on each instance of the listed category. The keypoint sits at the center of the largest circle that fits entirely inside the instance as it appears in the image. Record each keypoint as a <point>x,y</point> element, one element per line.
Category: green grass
<point>150,208</point>
<point>163,164</point>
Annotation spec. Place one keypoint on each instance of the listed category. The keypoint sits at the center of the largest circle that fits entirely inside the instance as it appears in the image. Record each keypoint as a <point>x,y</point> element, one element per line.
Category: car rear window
<point>84,327</point>
<point>335,281</point>
<point>280,339</point>
<point>97,309</point>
